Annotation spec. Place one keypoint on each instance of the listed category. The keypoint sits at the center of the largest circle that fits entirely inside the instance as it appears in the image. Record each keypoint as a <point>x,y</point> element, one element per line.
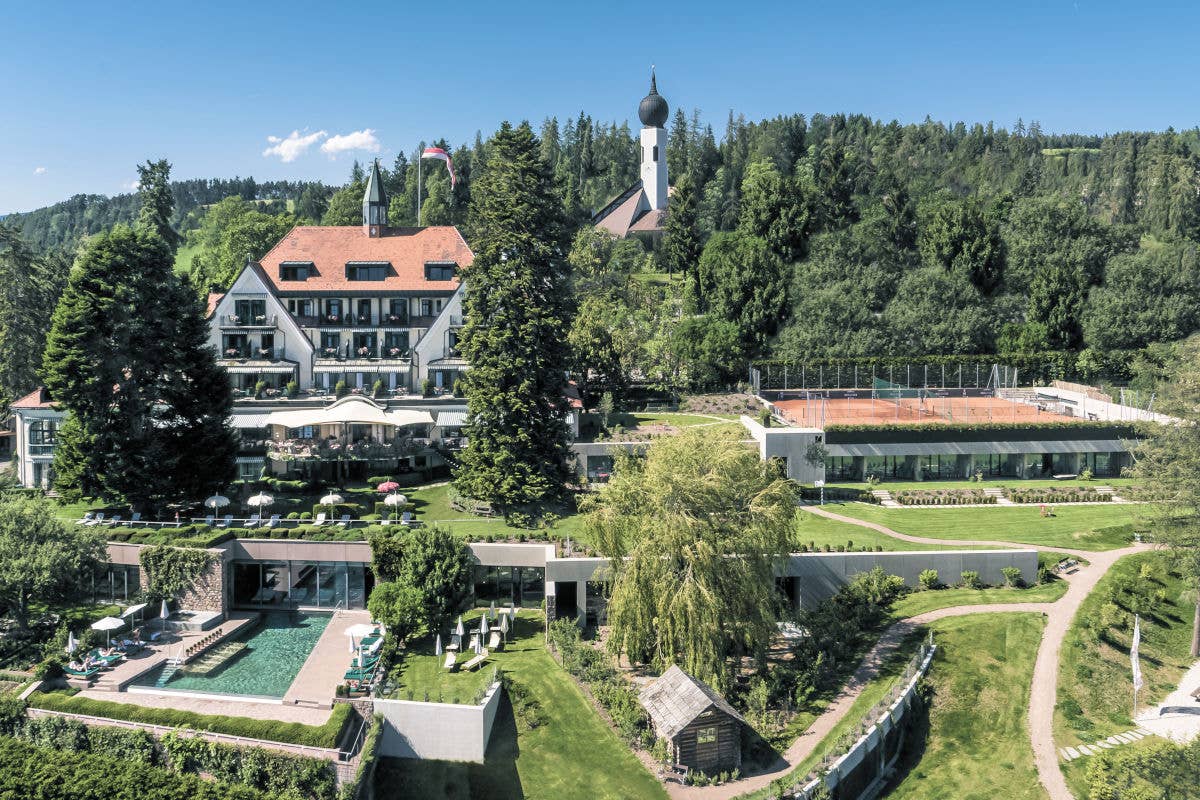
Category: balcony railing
<point>254,353</point>
<point>246,321</point>
<point>363,450</point>
<point>369,353</point>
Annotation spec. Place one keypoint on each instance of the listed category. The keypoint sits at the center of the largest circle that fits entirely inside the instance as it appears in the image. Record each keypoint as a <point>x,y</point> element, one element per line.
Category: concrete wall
<point>441,731</point>
<point>822,574</point>
<point>787,443</point>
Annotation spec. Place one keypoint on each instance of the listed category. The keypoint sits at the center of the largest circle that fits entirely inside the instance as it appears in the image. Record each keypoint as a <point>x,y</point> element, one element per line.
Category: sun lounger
<point>450,662</point>
<point>320,520</point>
<point>494,641</point>
<point>86,519</point>
<point>253,521</point>
<point>367,663</point>
<point>107,661</point>
<point>96,520</point>
<point>209,520</point>
<point>136,519</point>
<point>476,661</point>
<point>344,521</point>
<point>113,520</point>
<point>406,518</point>
<point>359,674</point>
<point>86,674</point>
<point>273,522</point>
<point>225,523</point>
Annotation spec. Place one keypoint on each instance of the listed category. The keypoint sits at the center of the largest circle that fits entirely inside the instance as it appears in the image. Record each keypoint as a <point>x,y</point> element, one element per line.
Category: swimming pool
<point>260,662</point>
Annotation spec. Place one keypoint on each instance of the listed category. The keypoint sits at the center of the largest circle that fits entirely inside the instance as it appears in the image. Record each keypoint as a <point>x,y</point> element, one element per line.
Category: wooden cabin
<point>703,730</point>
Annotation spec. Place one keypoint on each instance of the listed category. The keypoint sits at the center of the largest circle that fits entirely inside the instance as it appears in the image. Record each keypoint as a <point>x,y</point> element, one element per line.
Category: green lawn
<point>990,483</point>
<point>432,505</point>
<point>815,532</point>
<point>571,750</point>
<point>1100,527</point>
<point>1094,681</point>
<point>919,602</point>
<point>977,743</point>
<point>421,672</point>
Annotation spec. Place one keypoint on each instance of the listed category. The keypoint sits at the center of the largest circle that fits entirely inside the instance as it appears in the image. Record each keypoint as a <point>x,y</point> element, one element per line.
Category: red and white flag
<point>441,155</point>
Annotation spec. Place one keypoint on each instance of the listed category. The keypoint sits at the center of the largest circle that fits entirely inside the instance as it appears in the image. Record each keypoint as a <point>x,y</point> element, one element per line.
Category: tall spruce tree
<point>681,237</point>
<point>157,200</point>
<point>517,309</point>
<point>127,357</point>
<point>29,287</point>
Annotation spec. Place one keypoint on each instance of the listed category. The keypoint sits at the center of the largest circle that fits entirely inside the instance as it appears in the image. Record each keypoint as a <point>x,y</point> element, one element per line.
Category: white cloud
<point>355,140</point>
<point>132,185</point>
<point>293,146</point>
<point>40,171</point>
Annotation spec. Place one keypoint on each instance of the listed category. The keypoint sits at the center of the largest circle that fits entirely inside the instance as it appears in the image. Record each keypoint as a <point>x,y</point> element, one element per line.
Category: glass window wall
<point>521,586</point>
<point>324,584</point>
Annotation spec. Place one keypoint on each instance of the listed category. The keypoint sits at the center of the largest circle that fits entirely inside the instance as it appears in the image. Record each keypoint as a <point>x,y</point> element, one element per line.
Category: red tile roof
<point>213,299</point>
<point>328,248</point>
<point>38,398</point>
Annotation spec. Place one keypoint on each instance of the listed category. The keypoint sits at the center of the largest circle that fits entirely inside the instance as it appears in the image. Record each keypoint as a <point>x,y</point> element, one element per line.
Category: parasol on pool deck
<point>217,501</point>
<point>260,500</point>
<point>108,625</point>
<point>357,632</point>
<point>134,609</point>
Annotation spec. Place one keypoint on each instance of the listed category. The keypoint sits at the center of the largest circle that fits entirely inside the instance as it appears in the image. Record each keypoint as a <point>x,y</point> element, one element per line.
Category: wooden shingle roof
<point>676,699</point>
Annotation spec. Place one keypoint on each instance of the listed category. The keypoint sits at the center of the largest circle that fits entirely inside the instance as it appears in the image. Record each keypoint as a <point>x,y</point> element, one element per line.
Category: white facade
<point>654,167</point>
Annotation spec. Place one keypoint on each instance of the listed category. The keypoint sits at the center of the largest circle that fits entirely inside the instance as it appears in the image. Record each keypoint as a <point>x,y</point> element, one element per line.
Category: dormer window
<point>367,270</point>
<point>295,270</point>
<point>440,270</point>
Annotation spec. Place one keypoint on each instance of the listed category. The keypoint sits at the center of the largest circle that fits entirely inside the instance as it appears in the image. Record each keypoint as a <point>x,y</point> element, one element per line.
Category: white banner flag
<point>1133,653</point>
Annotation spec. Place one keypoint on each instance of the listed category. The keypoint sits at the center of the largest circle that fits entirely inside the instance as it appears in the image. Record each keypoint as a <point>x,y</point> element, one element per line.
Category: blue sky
<point>90,89</point>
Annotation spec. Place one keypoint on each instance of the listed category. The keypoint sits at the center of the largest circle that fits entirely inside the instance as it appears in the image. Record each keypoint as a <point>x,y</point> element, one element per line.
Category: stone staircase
<point>884,498</point>
<point>998,493</point>
<point>1128,737</point>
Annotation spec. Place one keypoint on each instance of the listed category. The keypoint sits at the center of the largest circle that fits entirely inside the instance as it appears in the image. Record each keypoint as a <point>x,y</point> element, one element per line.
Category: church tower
<point>653,113</point>
<point>375,204</point>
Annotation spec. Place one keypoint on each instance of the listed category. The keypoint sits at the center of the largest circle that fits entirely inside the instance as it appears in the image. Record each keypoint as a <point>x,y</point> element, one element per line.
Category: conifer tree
<point>681,237</point>
<point>127,357</point>
<point>157,200</point>
<point>517,311</point>
<point>29,288</point>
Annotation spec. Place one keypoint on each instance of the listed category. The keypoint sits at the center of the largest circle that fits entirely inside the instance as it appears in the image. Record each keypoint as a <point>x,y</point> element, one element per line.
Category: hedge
<point>326,735</point>
<point>943,497</point>
<point>834,494</point>
<point>1055,494</point>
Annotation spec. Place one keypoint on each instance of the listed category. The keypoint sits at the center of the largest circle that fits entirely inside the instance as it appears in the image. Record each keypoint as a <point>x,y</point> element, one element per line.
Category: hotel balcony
<point>333,450</point>
<point>246,321</point>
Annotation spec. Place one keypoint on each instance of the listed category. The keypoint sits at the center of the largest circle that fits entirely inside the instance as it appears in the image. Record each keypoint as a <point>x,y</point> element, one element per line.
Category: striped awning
<point>452,418</point>
<point>361,365</point>
<point>260,368</point>
<point>249,419</point>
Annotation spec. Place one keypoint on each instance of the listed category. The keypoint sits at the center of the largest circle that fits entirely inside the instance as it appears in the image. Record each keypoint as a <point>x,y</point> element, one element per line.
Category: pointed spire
<point>375,193</point>
<point>653,84</point>
<point>375,204</point>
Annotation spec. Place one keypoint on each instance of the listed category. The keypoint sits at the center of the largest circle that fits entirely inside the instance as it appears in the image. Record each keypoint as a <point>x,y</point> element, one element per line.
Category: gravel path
<point>1042,697</point>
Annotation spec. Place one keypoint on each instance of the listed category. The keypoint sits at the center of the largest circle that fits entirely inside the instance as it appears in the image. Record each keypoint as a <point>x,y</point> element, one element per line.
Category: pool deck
<point>120,676</point>
<point>314,685</point>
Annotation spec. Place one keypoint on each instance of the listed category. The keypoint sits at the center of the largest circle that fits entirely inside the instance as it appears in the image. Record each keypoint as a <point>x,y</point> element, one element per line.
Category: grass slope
<point>574,753</point>
<point>1099,527</point>
<point>1095,689</point>
<point>978,737</point>
<point>816,532</point>
<point>919,602</point>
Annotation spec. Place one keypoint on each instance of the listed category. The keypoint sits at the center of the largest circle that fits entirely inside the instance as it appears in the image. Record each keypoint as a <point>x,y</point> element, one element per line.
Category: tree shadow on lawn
<point>401,779</point>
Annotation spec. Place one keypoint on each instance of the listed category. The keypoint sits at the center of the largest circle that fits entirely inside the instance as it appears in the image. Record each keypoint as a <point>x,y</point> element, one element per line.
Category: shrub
<point>969,579</point>
<point>764,417</point>
<point>293,515</point>
<point>427,388</point>
<point>339,389</point>
<point>377,389</point>
<point>928,579</point>
<point>259,388</point>
<point>270,730</point>
<point>292,389</point>
<point>1012,576</point>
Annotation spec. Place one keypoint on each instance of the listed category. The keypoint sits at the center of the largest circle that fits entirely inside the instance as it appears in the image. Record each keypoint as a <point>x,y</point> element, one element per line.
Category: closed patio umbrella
<point>72,645</point>
<point>217,501</point>
<point>504,625</point>
<point>164,614</point>
<point>108,625</point>
<point>492,611</point>
<point>483,626</point>
<point>459,630</point>
<point>437,646</point>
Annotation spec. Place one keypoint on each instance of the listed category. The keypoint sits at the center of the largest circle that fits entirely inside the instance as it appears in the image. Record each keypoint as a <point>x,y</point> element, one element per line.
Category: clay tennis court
<point>820,412</point>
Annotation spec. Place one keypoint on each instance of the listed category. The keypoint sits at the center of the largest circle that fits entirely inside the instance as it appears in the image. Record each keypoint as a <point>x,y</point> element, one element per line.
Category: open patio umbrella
<point>459,630</point>
<point>357,632</point>
<point>72,645</point>
<point>387,486</point>
<point>134,609</point>
<point>217,501</point>
<point>260,500</point>
<point>437,646</point>
<point>395,500</point>
<point>331,500</point>
<point>108,625</point>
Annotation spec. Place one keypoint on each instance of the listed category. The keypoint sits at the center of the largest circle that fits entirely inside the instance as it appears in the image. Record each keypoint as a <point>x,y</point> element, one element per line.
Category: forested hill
<point>63,224</point>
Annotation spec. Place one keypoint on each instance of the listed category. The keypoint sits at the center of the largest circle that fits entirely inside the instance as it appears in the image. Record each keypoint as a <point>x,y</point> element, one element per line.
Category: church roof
<point>375,192</point>
<point>38,398</point>
<point>328,248</point>
<point>630,212</point>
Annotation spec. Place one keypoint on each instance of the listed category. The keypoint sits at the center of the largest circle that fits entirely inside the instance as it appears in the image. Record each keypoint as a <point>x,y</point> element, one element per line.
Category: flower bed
<point>1058,494</point>
<point>943,497</point>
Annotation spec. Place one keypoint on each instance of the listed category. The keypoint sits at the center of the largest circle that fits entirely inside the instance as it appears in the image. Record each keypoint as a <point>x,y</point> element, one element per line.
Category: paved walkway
<point>204,705</point>
<point>1083,750</point>
<point>1177,717</point>
<point>326,664</point>
<point>1045,670</point>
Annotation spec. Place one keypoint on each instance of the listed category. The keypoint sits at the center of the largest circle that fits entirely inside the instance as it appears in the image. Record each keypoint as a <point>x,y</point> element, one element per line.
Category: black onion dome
<point>653,109</point>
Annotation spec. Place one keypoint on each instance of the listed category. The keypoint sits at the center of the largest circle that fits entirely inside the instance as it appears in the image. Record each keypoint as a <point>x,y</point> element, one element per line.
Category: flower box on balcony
<point>363,352</point>
<point>332,318</point>
<point>260,319</point>
<point>395,318</point>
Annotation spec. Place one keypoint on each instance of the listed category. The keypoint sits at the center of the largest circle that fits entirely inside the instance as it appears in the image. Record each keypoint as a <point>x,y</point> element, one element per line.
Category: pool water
<point>273,654</point>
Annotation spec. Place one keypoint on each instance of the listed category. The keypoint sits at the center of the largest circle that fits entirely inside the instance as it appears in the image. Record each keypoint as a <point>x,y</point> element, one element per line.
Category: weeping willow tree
<point>695,530</point>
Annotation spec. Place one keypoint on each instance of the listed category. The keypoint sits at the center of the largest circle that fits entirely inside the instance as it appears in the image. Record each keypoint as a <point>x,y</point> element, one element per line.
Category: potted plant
<point>235,319</point>
<point>363,352</point>
<point>330,352</point>
<point>232,352</point>
<point>260,318</point>
<point>394,352</point>
<point>331,317</point>
<point>266,352</point>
